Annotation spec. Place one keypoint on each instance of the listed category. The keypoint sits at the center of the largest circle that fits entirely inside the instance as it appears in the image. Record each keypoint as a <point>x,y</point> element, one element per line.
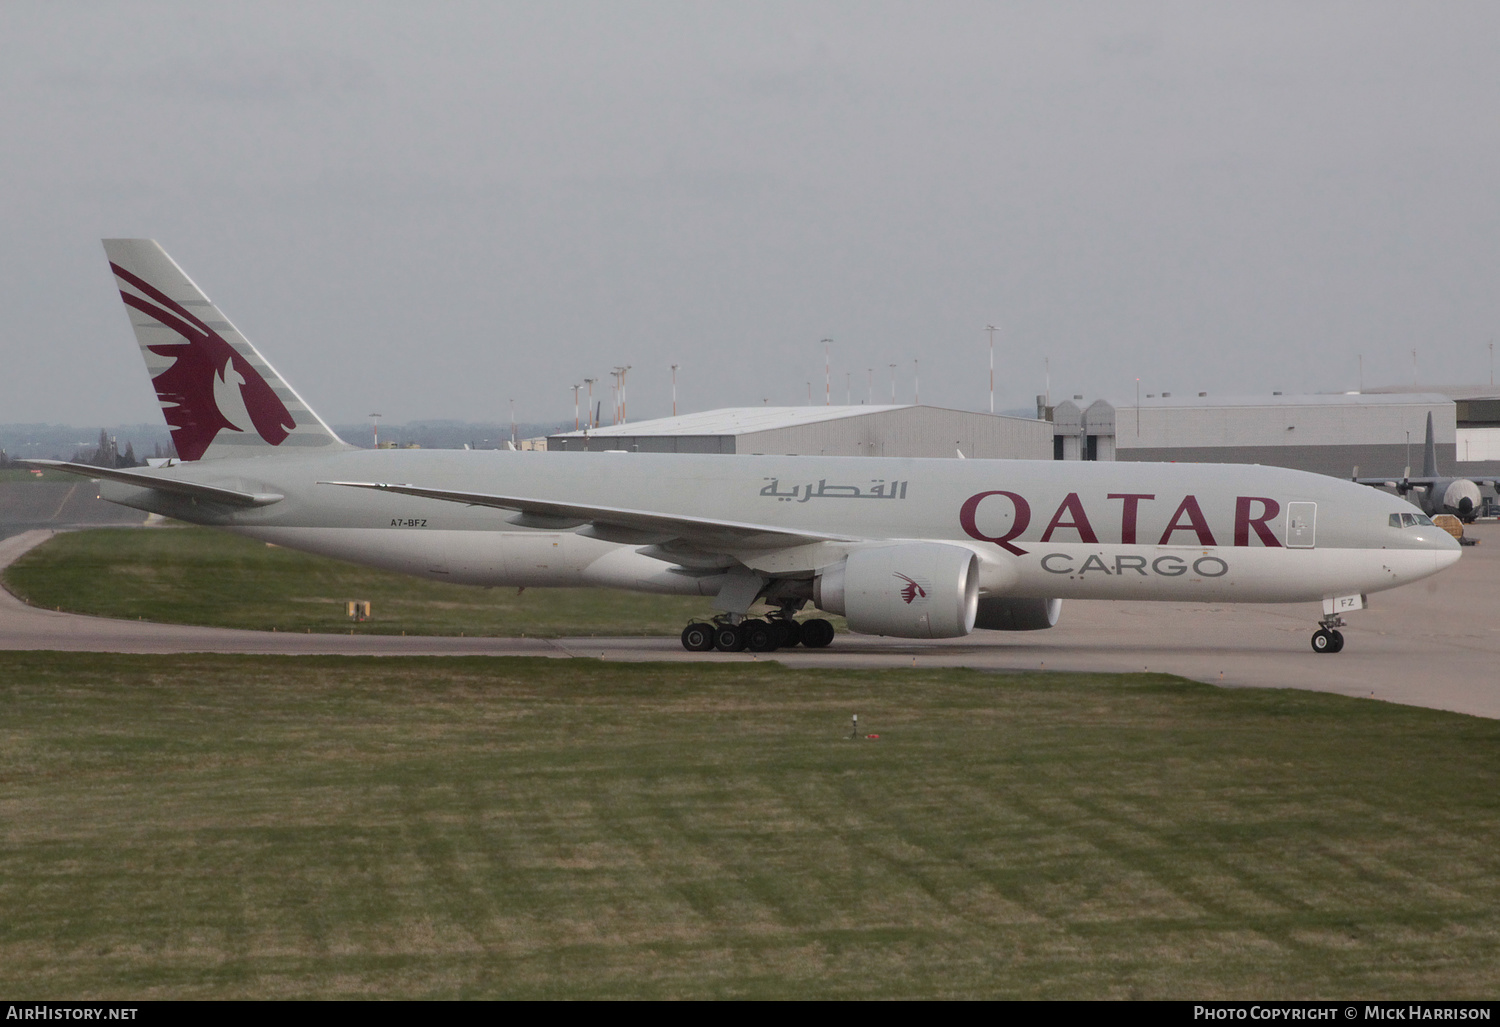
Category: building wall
<point>1293,425</point>
<point>903,432</point>
<point>910,432</point>
<point>644,443</point>
<point>1338,461</point>
<point>1478,445</point>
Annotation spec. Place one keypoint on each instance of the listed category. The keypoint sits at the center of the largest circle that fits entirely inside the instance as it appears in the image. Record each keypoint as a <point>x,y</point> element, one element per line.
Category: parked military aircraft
<point>1435,493</point>
<point>904,547</point>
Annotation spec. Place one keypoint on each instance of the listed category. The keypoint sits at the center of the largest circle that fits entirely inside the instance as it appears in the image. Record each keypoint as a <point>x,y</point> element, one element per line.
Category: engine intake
<point>915,590</point>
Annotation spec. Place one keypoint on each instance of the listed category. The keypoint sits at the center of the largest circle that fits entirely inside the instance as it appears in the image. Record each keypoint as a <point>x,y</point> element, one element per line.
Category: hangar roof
<point>1451,391</point>
<point>733,421</point>
<point>1301,399</point>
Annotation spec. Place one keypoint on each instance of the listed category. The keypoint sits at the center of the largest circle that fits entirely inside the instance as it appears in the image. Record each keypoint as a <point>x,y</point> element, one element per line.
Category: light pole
<point>575,406</point>
<point>916,383</point>
<point>375,429</point>
<point>674,390</point>
<point>827,376</point>
<point>870,389</point>
<point>893,385</point>
<point>991,330</point>
<point>590,383</point>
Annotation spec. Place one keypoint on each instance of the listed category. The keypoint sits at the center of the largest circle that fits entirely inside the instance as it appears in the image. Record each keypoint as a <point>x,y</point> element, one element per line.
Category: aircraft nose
<point>1446,550</point>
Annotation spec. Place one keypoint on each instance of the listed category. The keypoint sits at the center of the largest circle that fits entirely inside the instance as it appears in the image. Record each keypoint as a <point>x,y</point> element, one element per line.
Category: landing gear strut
<point>1328,638</point>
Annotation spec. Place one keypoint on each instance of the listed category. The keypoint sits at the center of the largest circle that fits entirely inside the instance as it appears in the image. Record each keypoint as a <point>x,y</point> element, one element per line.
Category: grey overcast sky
<point>428,210</point>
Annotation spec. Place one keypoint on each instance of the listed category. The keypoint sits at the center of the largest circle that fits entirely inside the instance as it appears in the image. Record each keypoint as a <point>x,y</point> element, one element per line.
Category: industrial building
<point>1379,432</point>
<point>901,431</point>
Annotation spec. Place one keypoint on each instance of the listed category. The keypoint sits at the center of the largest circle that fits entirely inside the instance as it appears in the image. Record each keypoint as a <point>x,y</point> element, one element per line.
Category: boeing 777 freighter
<point>912,548</point>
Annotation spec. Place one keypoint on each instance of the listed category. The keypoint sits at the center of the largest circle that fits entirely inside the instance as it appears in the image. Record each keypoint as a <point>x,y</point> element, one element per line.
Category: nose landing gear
<point>1328,638</point>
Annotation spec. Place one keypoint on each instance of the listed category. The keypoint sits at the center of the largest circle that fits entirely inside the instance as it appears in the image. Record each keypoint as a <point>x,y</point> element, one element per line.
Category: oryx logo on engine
<point>912,591</point>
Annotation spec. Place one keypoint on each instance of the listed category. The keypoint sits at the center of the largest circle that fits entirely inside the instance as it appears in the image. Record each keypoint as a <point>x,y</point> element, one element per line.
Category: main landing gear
<point>1328,638</point>
<point>732,634</point>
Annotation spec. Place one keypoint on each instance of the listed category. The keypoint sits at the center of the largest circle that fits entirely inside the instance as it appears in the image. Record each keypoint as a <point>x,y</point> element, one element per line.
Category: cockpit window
<point>1410,520</point>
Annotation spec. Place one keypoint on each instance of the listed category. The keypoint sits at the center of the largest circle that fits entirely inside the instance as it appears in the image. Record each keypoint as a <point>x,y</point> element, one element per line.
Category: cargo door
<point>1301,525</point>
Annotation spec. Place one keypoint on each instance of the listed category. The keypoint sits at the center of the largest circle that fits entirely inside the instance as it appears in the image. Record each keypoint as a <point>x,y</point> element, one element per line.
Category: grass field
<point>17,474</point>
<point>203,576</point>
<point>204,826</point>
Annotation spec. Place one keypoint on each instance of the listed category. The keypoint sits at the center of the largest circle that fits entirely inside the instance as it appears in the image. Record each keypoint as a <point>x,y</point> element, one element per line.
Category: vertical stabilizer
<point>219,396</point>
<point>1429,452</point>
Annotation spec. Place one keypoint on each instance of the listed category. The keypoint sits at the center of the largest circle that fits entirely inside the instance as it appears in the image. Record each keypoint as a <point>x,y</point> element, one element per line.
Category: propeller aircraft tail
<point>1429,452</point>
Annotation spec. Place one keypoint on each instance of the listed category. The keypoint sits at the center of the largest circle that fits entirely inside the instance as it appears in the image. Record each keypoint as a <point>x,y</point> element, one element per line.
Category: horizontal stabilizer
<point>151,480</point>
<point>698,530</point>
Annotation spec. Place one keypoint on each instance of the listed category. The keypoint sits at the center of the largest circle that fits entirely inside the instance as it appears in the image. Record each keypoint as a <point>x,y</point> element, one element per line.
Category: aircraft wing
<point>1403,485</point>
<point>147,480</point>
<point>617,524</point>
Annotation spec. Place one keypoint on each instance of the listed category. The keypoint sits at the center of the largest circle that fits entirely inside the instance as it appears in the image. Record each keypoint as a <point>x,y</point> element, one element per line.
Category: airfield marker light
<point>855,732</point>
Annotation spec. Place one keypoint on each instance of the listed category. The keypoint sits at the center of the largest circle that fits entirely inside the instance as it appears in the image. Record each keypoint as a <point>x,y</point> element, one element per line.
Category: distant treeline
<point>446,434</point>
<point>128,445</point>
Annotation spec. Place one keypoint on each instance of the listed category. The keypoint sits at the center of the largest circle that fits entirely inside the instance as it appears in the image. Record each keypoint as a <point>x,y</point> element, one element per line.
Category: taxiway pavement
<point>1434,644</point>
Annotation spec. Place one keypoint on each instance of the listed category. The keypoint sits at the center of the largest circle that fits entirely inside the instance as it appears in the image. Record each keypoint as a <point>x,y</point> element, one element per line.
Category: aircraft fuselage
<point>1040,528</point>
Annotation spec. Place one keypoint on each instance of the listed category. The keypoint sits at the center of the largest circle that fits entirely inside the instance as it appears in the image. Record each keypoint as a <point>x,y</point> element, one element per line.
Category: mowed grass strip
<point>203,576</point>
<point>216,826</point>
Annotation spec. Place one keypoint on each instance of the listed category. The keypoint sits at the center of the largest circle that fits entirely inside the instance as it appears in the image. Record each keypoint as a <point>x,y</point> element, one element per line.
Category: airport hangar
<point>1379,432</point>
<point>902,431</point>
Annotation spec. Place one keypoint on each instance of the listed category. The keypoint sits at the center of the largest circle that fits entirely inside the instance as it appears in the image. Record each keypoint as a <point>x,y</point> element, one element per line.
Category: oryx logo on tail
<point>210,386</point>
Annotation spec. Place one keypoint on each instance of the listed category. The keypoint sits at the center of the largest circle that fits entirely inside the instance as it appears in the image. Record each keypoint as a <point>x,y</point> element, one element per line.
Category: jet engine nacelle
<point>1000,614</point>
<point>911,590</point>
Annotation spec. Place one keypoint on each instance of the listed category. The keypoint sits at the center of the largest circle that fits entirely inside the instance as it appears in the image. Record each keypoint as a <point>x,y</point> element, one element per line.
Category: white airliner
<point>904,547</point>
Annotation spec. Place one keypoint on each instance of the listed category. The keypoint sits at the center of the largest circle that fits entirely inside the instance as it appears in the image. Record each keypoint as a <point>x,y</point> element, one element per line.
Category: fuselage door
<point>1301,525</point>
